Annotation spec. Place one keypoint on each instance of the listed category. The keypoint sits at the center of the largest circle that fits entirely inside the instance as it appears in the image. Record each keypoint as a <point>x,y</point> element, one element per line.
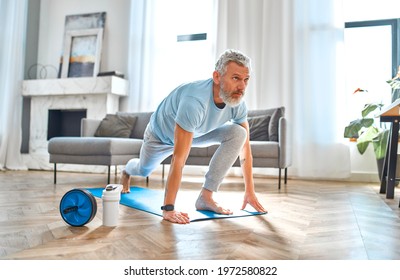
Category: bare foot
<point>209,204</point>
<point>125,181</point>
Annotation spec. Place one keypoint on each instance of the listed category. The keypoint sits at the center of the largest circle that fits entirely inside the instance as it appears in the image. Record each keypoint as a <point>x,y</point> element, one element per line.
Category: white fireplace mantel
<point>75,86</point>
<point>97,95</point>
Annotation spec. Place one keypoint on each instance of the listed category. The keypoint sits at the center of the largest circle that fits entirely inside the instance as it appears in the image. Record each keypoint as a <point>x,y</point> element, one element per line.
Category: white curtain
<point>157,62</point>
<point>13,15</point>
<point>296,47</point>
<point>140,60</point>
<point>320,150</point>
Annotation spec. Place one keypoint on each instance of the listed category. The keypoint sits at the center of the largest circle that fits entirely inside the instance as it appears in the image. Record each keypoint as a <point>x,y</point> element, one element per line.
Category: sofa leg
<point>55,173</point>
<point>108,175</point>
<point>279,179</point>
<point>285,175</point>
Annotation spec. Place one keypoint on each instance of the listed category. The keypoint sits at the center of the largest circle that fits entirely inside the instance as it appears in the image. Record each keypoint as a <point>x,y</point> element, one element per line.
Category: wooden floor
<point>307,220</point>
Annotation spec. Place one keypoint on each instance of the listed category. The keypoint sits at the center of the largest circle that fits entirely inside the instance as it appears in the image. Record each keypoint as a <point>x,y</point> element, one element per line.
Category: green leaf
<point>365,138</point>
<point>362,147</point>
<point>369,108</point>
<point>354,127</point>
<point>394,83</point>
<point>380,144</point>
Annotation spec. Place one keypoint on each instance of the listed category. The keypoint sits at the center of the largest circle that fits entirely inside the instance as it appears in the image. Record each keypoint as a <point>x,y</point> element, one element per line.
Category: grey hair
<point>231,56</point>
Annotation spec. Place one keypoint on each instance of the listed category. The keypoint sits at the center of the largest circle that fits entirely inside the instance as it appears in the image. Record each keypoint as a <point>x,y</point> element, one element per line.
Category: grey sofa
<point>269,142</point>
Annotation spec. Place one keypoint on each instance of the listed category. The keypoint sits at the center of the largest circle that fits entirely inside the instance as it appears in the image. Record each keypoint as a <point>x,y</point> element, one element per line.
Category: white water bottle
<point>111,197</point>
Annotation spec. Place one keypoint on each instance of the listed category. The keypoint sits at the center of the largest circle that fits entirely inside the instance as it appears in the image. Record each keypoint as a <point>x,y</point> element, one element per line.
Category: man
<point>201,114</point>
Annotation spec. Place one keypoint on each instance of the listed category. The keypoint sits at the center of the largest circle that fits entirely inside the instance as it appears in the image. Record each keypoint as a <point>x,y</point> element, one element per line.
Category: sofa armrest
<point>285,147</point>
<point>89,127</point>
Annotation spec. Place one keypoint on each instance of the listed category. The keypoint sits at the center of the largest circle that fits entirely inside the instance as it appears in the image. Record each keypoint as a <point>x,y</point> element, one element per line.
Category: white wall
<point>115,41</point>
<point>364,167</point>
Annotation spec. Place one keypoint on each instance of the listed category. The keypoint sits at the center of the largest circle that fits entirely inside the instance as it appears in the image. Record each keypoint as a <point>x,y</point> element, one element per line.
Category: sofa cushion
<point>262,149</point>
<point>273,129</point>
<point>143,118</point>
<point>116,126</point>
<point>92,146</point>
<point>259,127</point>
<point>276,114</point>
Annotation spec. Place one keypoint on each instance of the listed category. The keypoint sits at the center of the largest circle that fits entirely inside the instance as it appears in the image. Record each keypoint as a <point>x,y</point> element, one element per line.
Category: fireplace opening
<point>65,122</point>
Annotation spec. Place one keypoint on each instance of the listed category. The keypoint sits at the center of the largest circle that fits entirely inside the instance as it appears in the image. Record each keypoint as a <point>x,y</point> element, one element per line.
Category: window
<point>371,58</point>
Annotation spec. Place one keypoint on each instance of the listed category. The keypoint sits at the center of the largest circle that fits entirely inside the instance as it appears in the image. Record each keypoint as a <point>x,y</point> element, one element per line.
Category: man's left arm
<point>246,162</point>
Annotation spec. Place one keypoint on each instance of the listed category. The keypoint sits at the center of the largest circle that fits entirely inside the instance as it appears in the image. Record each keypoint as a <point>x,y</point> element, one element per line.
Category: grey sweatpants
<point>230,137</point>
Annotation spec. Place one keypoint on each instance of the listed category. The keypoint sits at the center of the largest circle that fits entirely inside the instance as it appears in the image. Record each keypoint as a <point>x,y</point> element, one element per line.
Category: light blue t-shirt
<point>192,107</point>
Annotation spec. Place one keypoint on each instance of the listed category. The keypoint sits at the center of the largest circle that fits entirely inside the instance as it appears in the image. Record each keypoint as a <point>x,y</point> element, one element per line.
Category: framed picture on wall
<point>80,22</point>
<point>85,21</point>
<point>82,51</point>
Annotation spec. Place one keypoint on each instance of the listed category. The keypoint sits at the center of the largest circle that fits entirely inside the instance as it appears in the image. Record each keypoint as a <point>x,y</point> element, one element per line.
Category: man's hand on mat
<point>176,217</point>
<point>251,199</point>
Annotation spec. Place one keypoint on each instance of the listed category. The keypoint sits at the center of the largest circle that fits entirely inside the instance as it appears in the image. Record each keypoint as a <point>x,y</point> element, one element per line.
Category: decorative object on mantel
<point>82,50</point>
<point>82,45</point>
<point>111,73</point>
<point>40,71</point>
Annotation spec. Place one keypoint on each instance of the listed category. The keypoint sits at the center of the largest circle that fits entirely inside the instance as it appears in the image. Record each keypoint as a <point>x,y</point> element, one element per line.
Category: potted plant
<point>368,129</point>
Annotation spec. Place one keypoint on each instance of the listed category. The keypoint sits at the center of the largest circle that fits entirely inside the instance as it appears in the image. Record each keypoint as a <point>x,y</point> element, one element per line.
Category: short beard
<point>228,99</point>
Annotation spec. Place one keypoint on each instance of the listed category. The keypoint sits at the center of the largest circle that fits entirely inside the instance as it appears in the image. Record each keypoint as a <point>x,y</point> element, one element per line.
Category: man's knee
<point>238,132</point>
<point>134,167</point>
<point>145,172</point>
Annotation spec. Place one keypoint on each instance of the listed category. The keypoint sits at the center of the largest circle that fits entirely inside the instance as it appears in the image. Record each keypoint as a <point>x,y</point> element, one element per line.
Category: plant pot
<point>380,167</point>
<point>380,162</point>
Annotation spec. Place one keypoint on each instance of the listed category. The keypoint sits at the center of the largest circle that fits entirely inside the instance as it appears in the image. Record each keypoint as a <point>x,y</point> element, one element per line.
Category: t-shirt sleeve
<point>190,114</point>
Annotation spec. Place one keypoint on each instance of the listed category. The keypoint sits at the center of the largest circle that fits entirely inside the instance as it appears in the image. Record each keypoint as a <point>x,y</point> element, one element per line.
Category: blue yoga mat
<point>150,201</point>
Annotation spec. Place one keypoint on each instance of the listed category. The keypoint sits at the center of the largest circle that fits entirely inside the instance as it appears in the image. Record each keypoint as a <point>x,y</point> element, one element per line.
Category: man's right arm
<point>182,145</point>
